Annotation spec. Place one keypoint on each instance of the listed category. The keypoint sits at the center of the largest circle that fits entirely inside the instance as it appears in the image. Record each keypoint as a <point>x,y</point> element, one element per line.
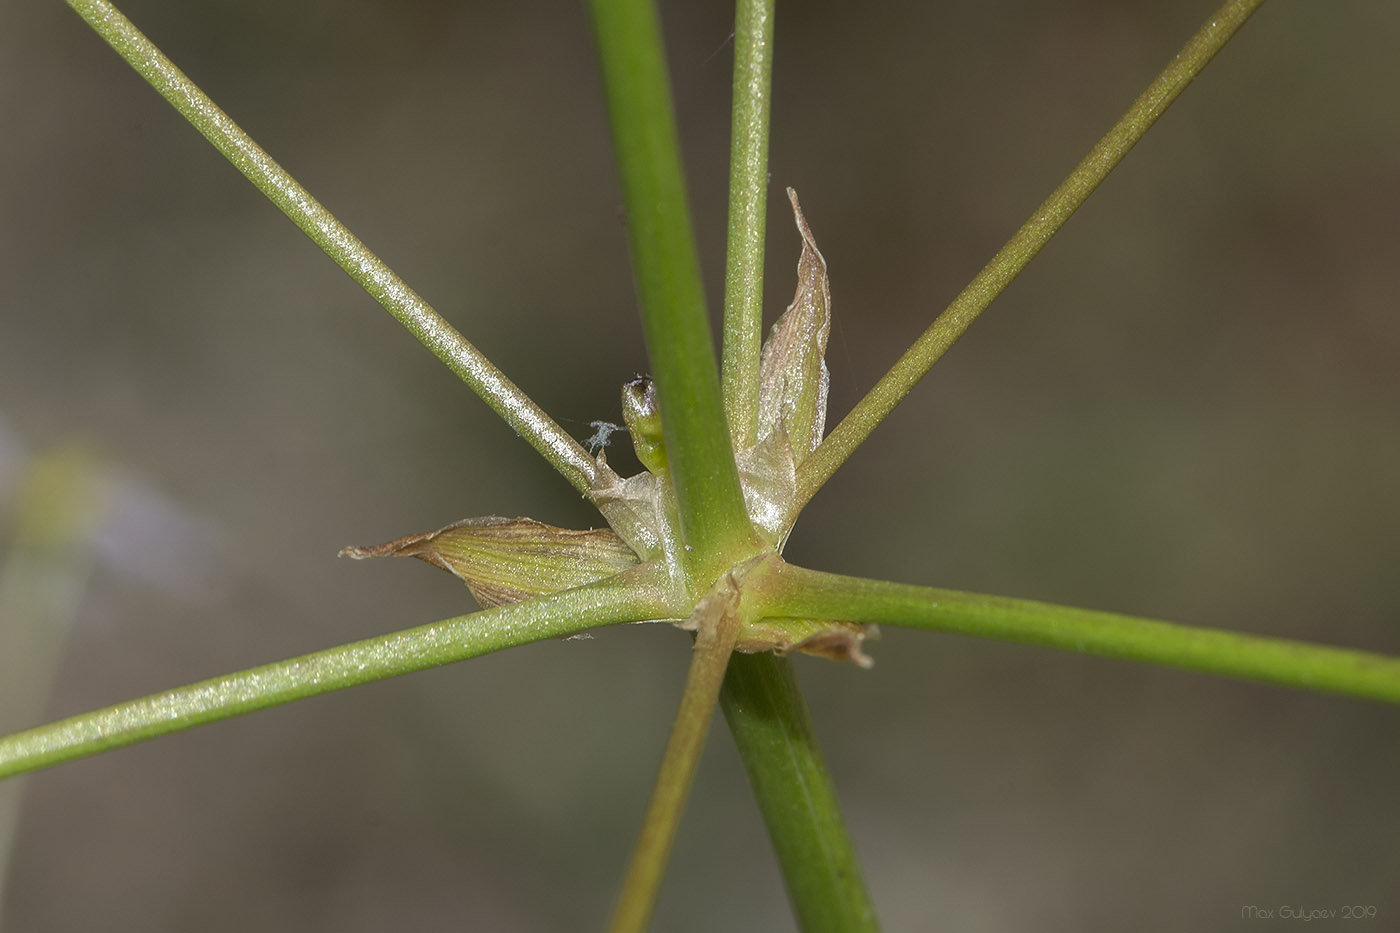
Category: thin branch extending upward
<point>406,305</point>
<point>748,200</point>
<point>1020,249</point>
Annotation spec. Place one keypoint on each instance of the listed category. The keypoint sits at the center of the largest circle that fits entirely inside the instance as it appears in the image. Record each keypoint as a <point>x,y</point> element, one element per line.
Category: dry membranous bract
<point>506,560</point>
<point>793,378</point>
<point>793,383</point>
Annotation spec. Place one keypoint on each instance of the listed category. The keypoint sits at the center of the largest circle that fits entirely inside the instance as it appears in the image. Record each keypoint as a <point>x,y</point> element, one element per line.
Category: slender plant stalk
<point>625,598</point>
<point>1020,249</point>
<point>714,523</point>
<point>748,199</point>
<point>714,643</point>
<point>415,314</point>
<point>773,731</point>
<point>796,591</point>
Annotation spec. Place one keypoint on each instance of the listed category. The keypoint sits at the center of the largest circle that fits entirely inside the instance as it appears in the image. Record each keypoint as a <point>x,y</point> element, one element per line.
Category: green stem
<point>773,732</point>
<point>1013,257</point>
<point>714,644</point>
<point>415,314</point>
<point>624,598</point>
<point>795,591</point>
<point>714,523</point>
<point>748,191</point>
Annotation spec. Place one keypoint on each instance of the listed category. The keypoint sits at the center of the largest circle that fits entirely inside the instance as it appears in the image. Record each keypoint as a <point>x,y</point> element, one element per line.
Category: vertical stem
<point>714,523</point>
<point>773,731</point>
<point>748,191</point>
<point>1020,249</point>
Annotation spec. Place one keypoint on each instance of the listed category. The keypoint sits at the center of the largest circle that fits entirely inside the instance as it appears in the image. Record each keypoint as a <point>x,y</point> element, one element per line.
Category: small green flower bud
<point>643,421</point>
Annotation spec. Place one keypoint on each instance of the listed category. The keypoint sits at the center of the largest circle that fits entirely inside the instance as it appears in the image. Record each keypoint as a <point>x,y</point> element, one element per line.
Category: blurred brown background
<point>1186,408</point>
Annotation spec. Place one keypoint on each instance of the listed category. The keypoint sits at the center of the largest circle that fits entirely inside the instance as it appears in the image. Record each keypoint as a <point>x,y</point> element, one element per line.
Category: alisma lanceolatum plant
<point>731,449</point>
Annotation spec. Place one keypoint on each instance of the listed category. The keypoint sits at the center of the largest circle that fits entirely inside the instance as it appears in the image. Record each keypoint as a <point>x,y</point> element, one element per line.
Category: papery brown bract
<point>793,378</point>
<point>506,560</point>
<point>793,385</point>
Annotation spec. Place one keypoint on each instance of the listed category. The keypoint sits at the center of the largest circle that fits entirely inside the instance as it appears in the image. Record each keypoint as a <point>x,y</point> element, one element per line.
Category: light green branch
<point>795,591</point>
<point>415,314</point>
<point>624,598</point>
<point>748,196</point>
<point>1013,257</point>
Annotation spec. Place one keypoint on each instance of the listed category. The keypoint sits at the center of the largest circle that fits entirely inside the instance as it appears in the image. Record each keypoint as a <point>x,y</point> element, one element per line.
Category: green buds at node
<point>641,508</point>
<point>643,420</point>
<point>506,560</point>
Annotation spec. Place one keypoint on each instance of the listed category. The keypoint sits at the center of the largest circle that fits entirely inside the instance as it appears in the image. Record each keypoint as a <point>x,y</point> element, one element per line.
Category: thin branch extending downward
<point>1013,257</point>
<point>504,397</point>
<point>717,627</point>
